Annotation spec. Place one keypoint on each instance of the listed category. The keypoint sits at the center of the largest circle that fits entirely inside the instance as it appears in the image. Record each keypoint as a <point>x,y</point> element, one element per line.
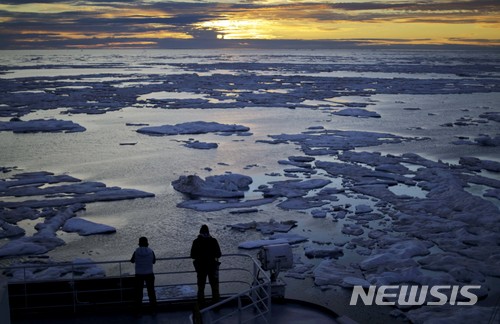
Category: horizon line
<point>256,44</point>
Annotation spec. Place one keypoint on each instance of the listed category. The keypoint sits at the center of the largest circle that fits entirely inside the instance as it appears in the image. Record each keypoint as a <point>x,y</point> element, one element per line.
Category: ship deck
<point>284,311</point>
<point>248,295</point>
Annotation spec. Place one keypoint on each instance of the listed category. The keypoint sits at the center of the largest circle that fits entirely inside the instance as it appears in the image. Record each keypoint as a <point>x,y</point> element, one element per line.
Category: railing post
<point>73,286</point>
<point>121,280</point>
<point>255,271</point>
<point>25,289</point>
<point>240,314</point>
<point>269,303</point>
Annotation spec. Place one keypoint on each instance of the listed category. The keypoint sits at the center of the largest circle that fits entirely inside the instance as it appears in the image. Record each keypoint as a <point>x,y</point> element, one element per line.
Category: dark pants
<point>149,279</point>
<point>212,272</point>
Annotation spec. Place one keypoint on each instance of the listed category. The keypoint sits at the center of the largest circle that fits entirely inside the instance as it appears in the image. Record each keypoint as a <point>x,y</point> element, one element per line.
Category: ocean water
<point>437,95</point>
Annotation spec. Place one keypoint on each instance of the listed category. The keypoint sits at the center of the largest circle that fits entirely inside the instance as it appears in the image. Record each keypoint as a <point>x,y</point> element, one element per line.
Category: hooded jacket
<point>144,258</point>
<point>205,249</point>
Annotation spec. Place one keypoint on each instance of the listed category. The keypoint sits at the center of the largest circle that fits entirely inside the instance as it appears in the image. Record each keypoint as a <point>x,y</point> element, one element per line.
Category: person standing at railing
<point>206,253</point>
<point>144,258</point>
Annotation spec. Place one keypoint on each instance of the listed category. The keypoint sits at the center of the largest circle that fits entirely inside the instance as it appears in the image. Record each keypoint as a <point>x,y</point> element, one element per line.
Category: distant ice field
<point>408,141</point>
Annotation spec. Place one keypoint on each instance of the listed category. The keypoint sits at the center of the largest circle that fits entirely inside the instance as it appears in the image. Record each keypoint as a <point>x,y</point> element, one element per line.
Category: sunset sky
<point>171,24</point>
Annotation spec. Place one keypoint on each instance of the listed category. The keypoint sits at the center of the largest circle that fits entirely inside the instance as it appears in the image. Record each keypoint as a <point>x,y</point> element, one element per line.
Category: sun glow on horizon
<point>411,32</point>
<point>384,22</point>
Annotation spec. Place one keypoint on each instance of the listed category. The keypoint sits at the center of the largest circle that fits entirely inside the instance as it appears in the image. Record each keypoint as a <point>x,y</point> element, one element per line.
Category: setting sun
<point>160,24</point>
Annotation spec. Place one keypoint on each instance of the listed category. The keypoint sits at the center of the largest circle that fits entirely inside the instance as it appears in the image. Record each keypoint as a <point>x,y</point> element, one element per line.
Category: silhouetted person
<point>206,253</point>
<point>144,258</point>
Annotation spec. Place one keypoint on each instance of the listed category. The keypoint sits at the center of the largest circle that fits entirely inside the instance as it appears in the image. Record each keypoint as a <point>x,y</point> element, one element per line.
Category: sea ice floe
<point>290,237</point>
<point>276,238</point>
<point>446,217</point>
<point>200,145</point>
<point>492,115</point>
<point>228,187</point>
<point>197,127</point>
<point>494,193</point>
<point>481,140</point>
<point>218,186</point>
<point>211,205</point>
<point>395,255</point>
<point>323,142</point>
<point>58,199</point>
<point>352,229</point>
<point>48,269</point>
<point>9,230</point>
<point>265,227</point>
<point>45,239</point>
<point>318,213</point>
<point>59,190</point>
<point>321,253</point>
<point>293,188</point>
<point>356,112</point>
<point>304,203</point>
<point>41,126</point>
<point>260,243</point>
<point>262,88</point>
<point>244,211</point>
<point>330,272</point>
<point>300,271</point>
<point>362,209</point>
<point>463,268</point>
<point>445,229</point>
<point>85,227</point>
<point>476,164</point>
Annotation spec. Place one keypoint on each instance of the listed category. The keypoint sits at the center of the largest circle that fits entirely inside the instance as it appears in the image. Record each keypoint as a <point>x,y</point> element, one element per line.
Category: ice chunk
<point>85,227</point>
<point>9,230</point>
<point>357,112</point>
<point>352,229</point>
<point>333,252</point>
<point>50,270</point>
<point>209,205</point>
<point>41,125</point>
<point>300,271</point>
<point>45,239</point>
<point>265,227</point>
<point>201,145</point>
<point>221,186</point>
<point>260,243</point>
<point>290,237</point>
<point>197,127</point>
<point>361,209</point>
<point>329,272</point>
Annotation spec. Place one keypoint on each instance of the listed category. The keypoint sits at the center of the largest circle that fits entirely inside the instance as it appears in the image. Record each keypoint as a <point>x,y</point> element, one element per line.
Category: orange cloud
<point>434,22</point>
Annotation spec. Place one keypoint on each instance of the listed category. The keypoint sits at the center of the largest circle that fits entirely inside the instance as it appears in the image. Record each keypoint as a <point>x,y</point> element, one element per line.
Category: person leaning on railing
<point>144,258</point>
<point>206,253</point>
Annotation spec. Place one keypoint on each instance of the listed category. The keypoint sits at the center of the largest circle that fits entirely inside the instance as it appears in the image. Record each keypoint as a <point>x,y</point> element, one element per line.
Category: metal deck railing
<point>79,286</point>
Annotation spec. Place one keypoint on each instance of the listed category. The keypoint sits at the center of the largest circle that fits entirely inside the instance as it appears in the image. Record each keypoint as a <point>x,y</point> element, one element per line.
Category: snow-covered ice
<point>85,227</point>
<point>40,125</point>
<point>200,145</point>
<point>221,186</point>
<point>356,112</point>
<point>265,227</point>
<point>48,269</point>
<point>332,252</point>
<point>198,127</point>
<point>59,199</point>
